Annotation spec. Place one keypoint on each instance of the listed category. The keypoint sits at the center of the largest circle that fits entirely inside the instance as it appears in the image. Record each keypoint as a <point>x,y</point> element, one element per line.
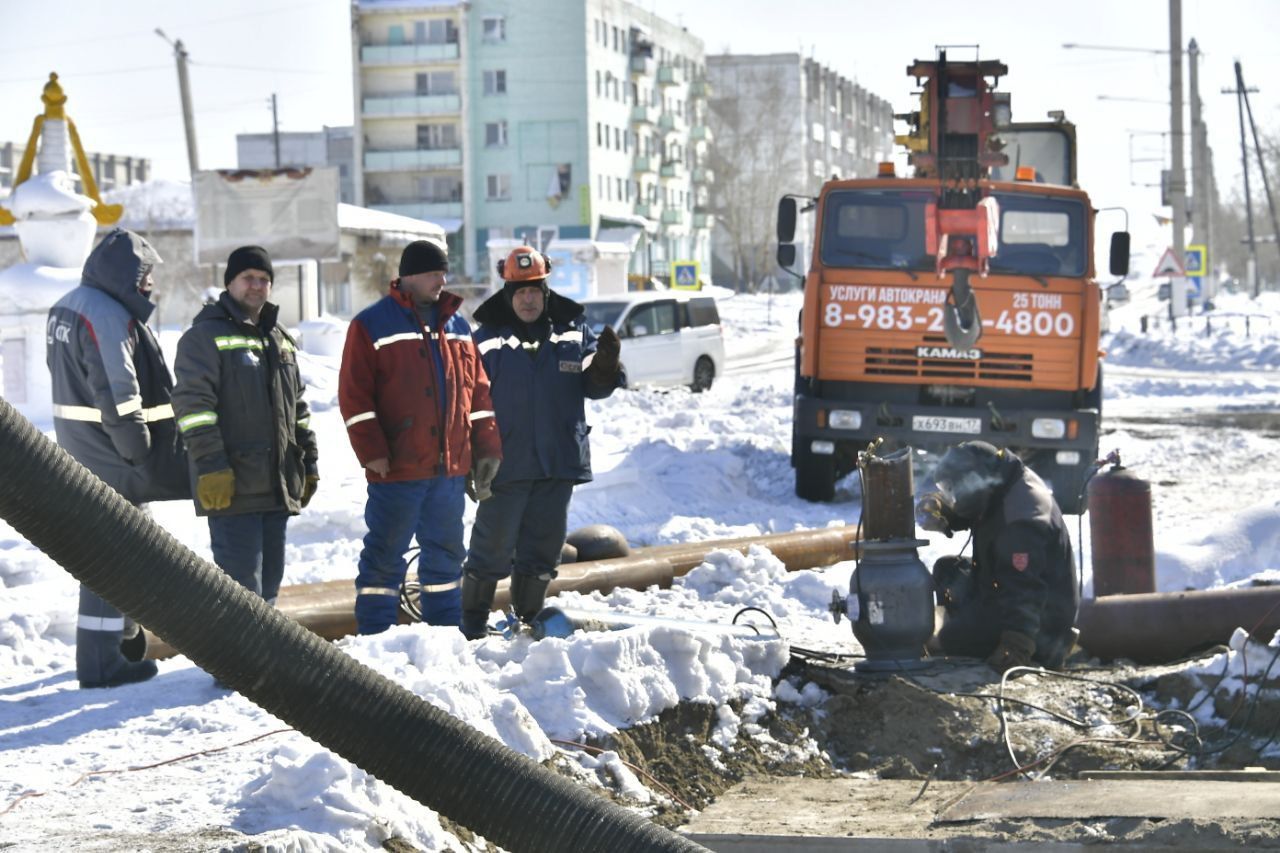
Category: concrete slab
<point>764,815</point>
<point>1097,798</point>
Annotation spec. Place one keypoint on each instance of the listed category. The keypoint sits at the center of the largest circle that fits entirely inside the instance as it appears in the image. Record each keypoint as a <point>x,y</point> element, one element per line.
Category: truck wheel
<point>704,371</point>
<point>815,475</point>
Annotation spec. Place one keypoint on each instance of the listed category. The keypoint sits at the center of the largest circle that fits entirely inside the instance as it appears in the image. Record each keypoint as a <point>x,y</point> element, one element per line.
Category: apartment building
<point>786,123</point>
<point>535,120</point>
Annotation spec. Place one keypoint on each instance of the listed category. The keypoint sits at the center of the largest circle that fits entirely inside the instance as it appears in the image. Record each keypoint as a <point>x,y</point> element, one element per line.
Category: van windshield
<point>600,314</point>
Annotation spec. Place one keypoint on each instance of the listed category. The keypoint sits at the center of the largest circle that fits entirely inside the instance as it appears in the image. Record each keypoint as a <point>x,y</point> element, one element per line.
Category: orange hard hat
<point>525,263</point>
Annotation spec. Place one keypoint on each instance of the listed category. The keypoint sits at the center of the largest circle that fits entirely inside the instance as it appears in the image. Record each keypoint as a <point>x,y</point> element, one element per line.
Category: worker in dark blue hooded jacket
<point>543,362</point>
<point>1014,602</point>
<point>112,413</point>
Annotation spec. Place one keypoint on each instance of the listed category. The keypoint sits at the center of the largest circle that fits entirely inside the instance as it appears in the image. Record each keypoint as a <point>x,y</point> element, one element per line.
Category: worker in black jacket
<point>1014,603</point>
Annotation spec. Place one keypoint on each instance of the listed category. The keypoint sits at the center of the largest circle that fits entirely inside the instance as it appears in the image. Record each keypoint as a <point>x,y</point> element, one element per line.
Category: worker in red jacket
<point>415,400</point>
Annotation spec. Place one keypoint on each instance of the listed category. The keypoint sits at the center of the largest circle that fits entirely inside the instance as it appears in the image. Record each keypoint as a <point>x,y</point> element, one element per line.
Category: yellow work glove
<point>309,488</point>
<point>216,489</point>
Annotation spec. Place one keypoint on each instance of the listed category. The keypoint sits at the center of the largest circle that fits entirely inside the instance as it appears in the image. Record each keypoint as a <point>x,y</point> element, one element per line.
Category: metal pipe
<point>1164,626</point>
<point>328,608</point>
<point>563,621</point>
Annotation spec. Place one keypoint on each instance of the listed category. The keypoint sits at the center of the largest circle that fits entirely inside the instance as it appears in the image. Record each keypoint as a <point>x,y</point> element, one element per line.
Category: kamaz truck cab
<point>958,303</point>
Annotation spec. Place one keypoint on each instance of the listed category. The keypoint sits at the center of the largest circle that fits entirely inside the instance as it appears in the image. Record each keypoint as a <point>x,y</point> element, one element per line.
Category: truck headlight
<point>823,448</point>
<point>1067,457</point>
<point>844,419</point>
<point>1048,428</point>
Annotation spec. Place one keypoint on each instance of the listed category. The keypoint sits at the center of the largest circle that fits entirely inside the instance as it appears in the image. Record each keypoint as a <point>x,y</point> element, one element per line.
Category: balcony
<point>407,54</point>
<point>641,65</point>
<point>673,216</point>
<point>649,210</point>
<point>669,123</point>
<point>412,106</point>
<point>703,176</point>
<point>700,89</point>
<point>673,169</point>
<point>669,75</point>
<point>700,133</point>
<point>644,165</point>
<point>641,114</point>
<point>412,159</point>
<point>703,219</point>
<point>432,211</point>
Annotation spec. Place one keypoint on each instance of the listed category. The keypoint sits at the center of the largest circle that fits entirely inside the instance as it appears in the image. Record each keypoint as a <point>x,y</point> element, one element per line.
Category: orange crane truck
<point>958,303</point>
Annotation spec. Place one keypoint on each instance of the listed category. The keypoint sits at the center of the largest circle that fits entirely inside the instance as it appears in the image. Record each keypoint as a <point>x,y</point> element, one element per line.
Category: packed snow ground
<point>177,755</point>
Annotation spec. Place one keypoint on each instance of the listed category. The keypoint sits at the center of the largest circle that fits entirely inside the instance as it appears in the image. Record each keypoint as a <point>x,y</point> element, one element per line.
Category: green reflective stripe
<point>238,342</point>
<point>305,423</point>
<point>286,345</point>
<point>197,419</point>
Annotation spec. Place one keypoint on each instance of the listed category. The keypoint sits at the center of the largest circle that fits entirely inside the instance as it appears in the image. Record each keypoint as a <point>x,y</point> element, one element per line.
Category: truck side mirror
<point>786,255</point>
<point>1120,253</point>
<point>787,220</point>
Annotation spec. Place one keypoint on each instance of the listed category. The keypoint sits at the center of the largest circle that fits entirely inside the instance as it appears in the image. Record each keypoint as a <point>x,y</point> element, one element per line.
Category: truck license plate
<point>931,423</point>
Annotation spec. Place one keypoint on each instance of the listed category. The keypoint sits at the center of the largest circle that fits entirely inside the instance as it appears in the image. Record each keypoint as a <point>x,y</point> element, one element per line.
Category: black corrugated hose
<point>446,765</point>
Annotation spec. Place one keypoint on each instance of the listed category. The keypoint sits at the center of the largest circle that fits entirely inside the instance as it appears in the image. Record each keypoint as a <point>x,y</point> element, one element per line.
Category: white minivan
<point>668,337</point>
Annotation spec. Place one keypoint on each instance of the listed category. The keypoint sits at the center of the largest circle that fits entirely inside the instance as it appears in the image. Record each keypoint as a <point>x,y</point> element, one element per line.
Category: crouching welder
<point>1014,602</point>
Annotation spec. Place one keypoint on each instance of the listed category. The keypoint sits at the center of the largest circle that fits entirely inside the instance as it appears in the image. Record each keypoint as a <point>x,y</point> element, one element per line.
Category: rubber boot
<point>477,602</point>
<point>133,642</point>
<point>528,592</point>
<point>99,632</point>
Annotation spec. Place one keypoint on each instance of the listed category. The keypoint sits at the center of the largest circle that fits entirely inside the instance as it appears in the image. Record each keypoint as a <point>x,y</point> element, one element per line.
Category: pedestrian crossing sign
<point>684,275</point>
<point>1195,260</point>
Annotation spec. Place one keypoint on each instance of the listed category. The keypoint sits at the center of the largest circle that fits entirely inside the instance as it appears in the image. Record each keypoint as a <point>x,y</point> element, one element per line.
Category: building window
<point>436,83</point>
<point>497,187</point>
<point>495,134</point>
<point>440,189</point>
<point>437,136</point>
<point>437,31</point>
<point>599,84</point>
<point>493,28</point>
<point>495,82</point>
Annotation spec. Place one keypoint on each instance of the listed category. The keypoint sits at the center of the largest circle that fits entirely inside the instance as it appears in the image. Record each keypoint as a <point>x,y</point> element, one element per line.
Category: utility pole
<point>275,128</point>
<point>1177,174</point>
<point>1201,181</point>
<point>1257,149</point>
<point>184,89</point>
<point>1251,266</point>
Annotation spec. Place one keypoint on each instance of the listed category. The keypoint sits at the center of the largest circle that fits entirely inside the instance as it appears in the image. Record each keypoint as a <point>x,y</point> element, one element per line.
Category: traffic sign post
<point>684,275</point>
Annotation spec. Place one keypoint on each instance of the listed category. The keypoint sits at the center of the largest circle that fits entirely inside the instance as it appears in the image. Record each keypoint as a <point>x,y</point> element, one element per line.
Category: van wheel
<point>704,371</point>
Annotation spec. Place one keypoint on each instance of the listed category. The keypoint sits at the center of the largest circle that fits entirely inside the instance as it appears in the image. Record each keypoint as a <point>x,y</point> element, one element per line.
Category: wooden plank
<point>1195,800</point>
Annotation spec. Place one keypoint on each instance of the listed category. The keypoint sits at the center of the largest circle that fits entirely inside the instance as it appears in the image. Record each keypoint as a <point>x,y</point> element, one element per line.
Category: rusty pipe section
<point>1164,626</point>
<point>328,608</point>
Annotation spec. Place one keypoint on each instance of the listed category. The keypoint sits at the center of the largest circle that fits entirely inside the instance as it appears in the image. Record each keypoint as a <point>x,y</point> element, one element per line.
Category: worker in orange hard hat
<point>543,362</point>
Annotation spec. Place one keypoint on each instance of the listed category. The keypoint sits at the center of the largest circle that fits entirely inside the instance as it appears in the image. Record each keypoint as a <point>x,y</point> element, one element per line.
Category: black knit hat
<point>248,258</point>
<point>423,256</point>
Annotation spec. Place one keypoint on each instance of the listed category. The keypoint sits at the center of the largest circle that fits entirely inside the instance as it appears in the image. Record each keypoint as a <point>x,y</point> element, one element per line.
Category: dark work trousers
<point>431,511</point>
<point>99,630</point>
<point>250,548</point>
<point>520,529</point>
<point>973,630</point>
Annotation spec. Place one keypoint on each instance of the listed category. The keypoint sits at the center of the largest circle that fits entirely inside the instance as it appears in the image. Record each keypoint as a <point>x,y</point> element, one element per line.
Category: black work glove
<point>1014,649</point>
<point>480,477</point>
<point>604,365</point>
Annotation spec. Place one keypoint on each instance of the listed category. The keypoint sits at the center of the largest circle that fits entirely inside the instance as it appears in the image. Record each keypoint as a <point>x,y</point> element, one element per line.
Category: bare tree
<point>756,158</point>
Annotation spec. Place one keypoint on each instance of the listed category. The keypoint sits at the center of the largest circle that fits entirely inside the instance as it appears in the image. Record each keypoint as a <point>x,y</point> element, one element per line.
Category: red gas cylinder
<point>1123,546</point>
